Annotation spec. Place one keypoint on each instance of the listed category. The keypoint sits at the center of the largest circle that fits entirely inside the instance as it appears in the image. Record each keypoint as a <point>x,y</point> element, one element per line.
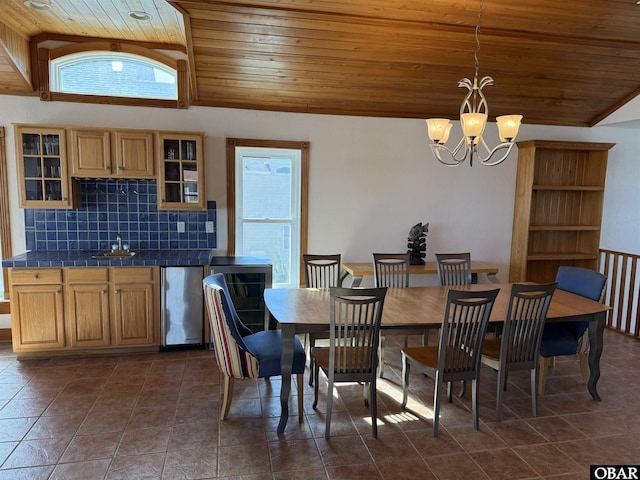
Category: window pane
<point>113,74</point>
<point>272,240</point>
<point>266,178</point>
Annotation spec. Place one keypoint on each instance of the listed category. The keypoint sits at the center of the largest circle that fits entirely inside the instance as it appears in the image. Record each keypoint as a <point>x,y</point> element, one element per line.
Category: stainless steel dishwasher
<point>182,307</point>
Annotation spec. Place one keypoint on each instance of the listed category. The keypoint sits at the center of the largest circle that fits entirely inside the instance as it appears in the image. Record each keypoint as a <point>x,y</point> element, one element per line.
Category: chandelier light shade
<point>474,113</point>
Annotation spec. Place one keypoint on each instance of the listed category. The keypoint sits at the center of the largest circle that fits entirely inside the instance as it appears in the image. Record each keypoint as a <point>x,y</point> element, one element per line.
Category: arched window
<point>115,74</point>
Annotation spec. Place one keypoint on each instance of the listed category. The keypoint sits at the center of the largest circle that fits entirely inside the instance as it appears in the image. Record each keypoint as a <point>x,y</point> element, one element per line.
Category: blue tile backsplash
<point>109,207</point>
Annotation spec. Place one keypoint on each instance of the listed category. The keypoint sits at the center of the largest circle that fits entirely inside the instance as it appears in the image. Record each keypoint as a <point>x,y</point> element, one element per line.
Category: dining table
<point>358,270</point>
<point>305,310</point>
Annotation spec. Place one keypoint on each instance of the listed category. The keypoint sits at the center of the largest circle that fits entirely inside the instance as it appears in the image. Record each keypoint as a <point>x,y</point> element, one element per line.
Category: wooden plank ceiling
<point>556,62</point>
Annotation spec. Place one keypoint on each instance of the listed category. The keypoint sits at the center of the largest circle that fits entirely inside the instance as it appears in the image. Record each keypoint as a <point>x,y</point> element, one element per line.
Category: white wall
<point>371,178</point>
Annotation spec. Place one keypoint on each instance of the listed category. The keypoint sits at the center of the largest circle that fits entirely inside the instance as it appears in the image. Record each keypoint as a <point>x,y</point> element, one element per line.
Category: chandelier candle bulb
<point>438,129</point>
<point>508,126</point>
<point>473,124</point>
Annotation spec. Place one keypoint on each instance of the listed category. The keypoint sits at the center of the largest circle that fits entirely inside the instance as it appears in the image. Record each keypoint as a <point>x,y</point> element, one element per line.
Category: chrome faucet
<point>119,239</point>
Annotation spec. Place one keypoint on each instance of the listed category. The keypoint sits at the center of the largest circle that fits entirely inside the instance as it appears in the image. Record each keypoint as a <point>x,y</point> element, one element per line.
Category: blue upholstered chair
<point>241,353</point>
<point>570,338</point>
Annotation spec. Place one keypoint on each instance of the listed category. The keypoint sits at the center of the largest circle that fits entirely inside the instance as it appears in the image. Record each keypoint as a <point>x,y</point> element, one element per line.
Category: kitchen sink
<point>115,254</point>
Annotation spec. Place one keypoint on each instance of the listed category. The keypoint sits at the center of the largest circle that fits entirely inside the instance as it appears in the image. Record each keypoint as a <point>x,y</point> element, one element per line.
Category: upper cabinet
<point>558,207</point>
<point>181,177</point>
<point>111,153</point>
<point>41,156</point>
<point>52,159</point>
<point>134,154</point>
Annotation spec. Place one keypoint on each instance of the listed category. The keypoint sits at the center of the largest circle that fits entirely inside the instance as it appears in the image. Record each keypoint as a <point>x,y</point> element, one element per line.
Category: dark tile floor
<point>155,416</point>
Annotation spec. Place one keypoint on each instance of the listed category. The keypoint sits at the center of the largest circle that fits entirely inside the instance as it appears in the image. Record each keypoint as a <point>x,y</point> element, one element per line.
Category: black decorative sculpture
<point>418,243</point>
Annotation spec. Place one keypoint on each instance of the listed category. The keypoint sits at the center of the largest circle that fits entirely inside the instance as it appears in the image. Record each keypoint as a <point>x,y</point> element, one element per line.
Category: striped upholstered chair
<point>241,353</point>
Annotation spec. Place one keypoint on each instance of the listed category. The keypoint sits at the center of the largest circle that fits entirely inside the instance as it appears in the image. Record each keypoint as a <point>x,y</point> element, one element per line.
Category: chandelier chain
<point>477,52</point>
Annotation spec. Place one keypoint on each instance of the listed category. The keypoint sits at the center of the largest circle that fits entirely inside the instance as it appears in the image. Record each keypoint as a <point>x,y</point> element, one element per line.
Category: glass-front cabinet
<point>181,171</point>
<point>42,166</point>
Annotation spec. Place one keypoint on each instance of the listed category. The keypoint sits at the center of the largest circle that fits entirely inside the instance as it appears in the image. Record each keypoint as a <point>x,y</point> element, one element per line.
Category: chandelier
<point>473,119</point>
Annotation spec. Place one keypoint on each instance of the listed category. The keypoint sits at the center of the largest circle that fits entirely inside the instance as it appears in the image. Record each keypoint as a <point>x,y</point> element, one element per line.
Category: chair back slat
<point>524,323</point>
<point>232,355</point>
<point>355,325</point>
<point>322,271</point>
<point>463,327</point>
<point>391,270</point>
<point>454,268</point>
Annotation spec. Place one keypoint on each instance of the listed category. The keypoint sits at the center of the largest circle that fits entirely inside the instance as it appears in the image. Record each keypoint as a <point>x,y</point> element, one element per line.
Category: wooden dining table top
<point>412,306</point>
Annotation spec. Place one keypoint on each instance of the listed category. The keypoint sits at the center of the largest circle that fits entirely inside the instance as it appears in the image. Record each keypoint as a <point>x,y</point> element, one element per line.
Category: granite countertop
<point>86,258</point>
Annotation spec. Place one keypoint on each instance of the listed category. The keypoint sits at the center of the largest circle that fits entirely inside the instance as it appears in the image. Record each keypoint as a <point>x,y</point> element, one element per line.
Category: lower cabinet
<point>102,307</point>
<point>37,318</point>
<point>87,307</point>
<point>136,316</point>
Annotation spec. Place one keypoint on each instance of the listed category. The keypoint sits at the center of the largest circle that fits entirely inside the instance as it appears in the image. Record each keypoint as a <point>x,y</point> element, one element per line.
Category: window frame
<point>57,64</point>
<point>232,143</point>
<point>45,56</point>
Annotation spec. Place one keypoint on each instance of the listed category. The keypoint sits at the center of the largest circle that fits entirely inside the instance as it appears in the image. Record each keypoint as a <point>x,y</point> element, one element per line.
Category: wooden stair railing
<point>623,290</point>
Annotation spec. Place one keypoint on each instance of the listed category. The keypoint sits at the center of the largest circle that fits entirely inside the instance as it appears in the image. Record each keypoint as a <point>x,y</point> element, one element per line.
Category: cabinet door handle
<point>106,167</point>
<point>35,276</point>
<point>104,292</point>
<point>120,168</point>
<point>58,292</point>
<point>64,199</point>
<point>116,291</point>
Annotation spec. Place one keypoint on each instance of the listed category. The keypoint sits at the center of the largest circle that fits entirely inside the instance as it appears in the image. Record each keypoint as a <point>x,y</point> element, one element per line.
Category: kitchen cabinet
<point>100,153</point>
<point>181,179</point>
<point>102,308</point>
<point>558,207</point>
<point>52,160</point>
<point>37,312</point>
<point>87,307</point>
<point>136,306</point>
<point>43,176</point>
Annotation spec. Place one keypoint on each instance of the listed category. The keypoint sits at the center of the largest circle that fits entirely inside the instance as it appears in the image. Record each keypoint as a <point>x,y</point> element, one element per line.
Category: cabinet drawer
<point>36,276</point>
<point>87,275</point>
<point>133,274</point>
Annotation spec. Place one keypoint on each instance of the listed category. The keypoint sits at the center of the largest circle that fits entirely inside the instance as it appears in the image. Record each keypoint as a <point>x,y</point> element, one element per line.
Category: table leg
<point>286,364</point>
<point>355,281</point>
<point>492,277</point>
<point>596,332</point>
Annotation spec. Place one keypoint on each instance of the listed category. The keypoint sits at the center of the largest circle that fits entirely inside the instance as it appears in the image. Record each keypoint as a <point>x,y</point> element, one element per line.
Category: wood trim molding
<point>5,220</point>
<point>193,80</point>
<point>109,46</point>
<point>183,84</point>
<point>43,74</point>
<point>231,196</point>
<point>304,147</point>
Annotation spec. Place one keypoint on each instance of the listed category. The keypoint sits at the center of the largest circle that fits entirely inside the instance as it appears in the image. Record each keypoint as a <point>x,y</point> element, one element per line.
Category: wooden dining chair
<point>570,338</point>
<point>392,270</point>
<point>454,268</point>
<point>518,346</point>
<point>352,354</point>
<point>321,271</point>
<point>457,355</point>
<point>241,353</point>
